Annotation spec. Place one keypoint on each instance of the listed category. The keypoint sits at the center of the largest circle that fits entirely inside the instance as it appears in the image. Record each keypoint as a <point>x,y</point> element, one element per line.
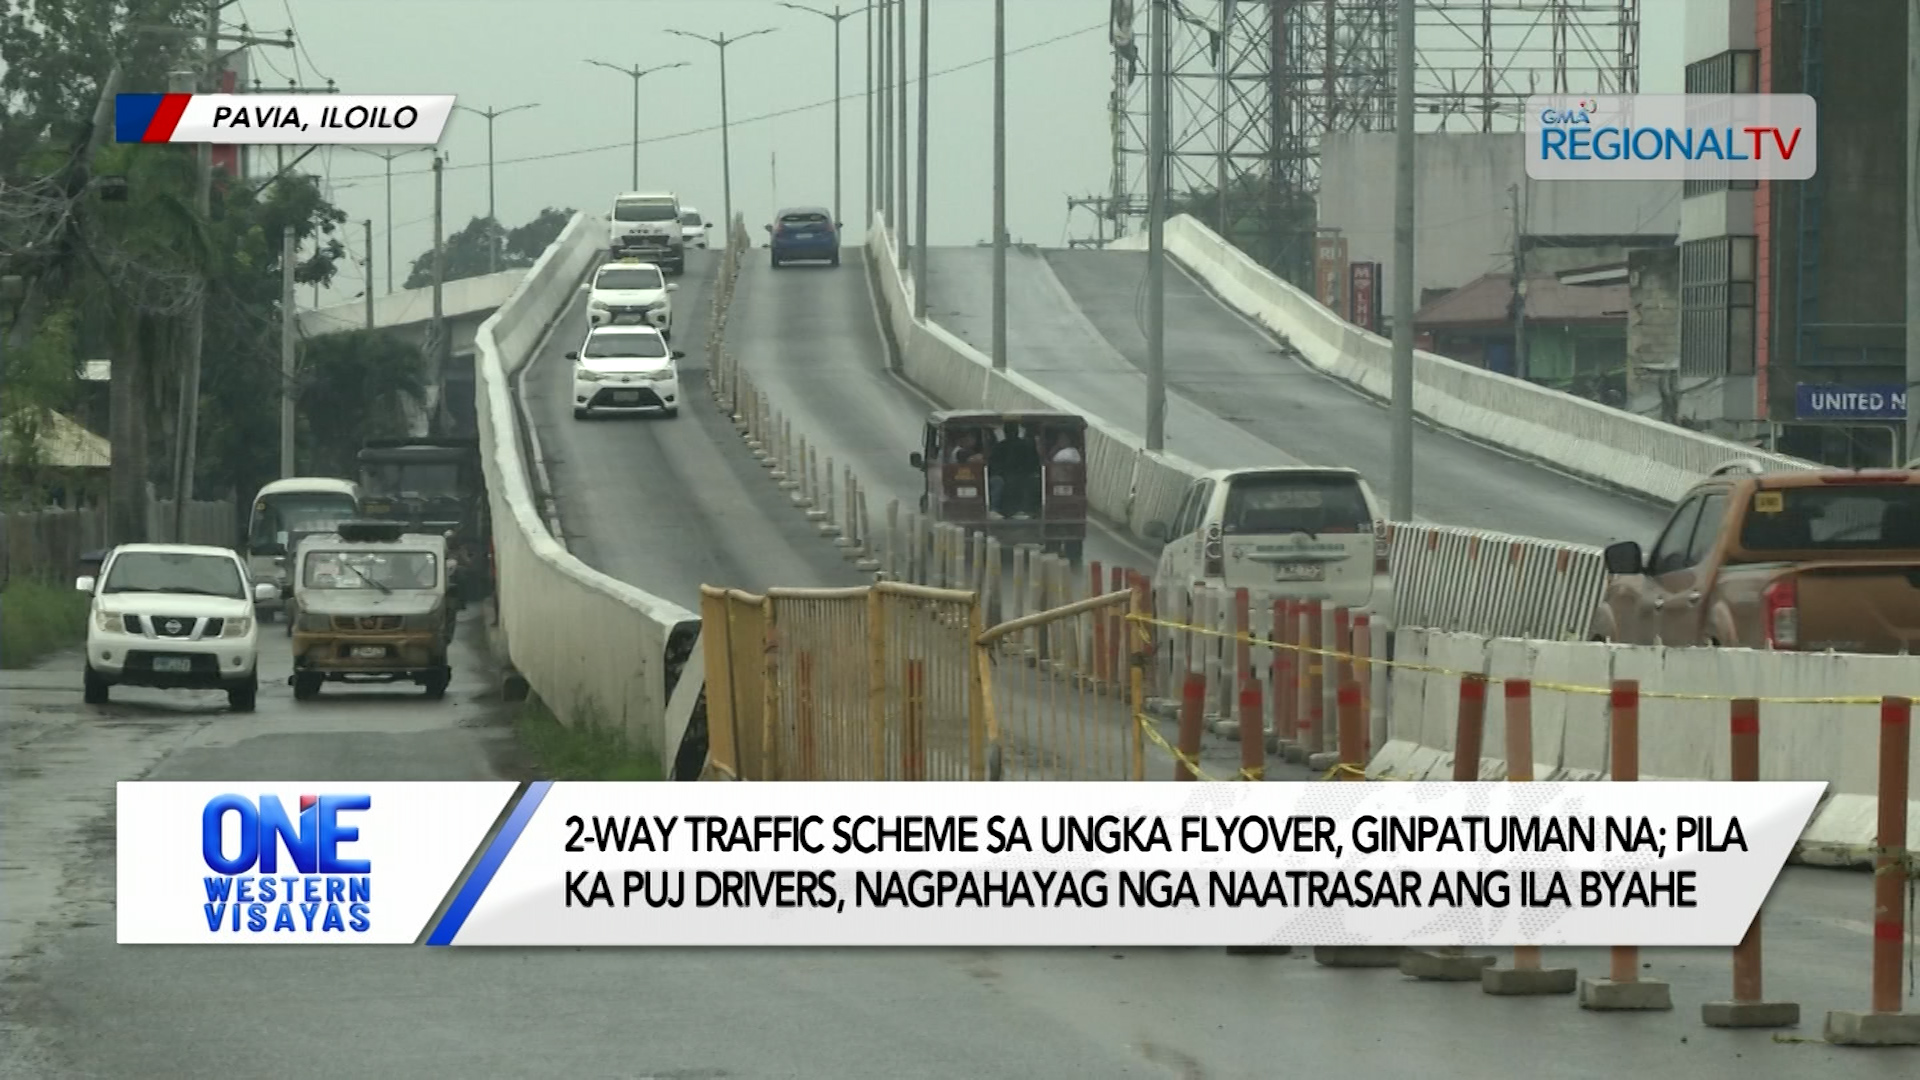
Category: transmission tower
<point>1254,84</point>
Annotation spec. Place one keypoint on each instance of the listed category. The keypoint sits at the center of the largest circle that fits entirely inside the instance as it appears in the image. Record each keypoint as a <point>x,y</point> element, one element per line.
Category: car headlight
<point>589,375</point>
<point>240,627</point>
<point>657,305</point>
<point>112,622</point>
<point>597,305</point>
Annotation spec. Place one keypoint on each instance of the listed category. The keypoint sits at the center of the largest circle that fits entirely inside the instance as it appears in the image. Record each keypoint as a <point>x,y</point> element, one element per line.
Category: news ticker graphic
<point>282,119</point>
<point>953,864</point>
<point>1726,137</point>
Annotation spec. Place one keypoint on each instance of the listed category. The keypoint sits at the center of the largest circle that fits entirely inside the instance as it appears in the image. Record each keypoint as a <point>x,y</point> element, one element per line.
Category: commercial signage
<point>1330,271</point>
<point>1830,401</point>
<point>1724,137</point>
<point>1363,296</point>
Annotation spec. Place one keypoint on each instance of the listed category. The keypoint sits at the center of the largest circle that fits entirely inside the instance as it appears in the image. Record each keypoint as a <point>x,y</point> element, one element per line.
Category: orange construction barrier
<point>1887,1025</point>
<point>1625,989</point>
<point>1193,704</point>
<point>1313,714</point>
<point>1470,727</point>
<point>1353,732</point>
<point>1363,671</point>
<point>1286,666</point>
<point>1749,1008</point>
<point>1528,976</point>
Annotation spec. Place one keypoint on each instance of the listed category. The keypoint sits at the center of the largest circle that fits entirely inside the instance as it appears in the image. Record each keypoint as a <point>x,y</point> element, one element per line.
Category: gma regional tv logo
<point>275,871</point>
<point>1726,137</point>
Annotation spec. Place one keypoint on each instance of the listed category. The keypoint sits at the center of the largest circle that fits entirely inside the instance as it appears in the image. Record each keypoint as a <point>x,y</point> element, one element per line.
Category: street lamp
<point>493,235</point>
<point>726,149</point>
<point>836,16</point>
<point>389,155</point>
<point>636,73</point>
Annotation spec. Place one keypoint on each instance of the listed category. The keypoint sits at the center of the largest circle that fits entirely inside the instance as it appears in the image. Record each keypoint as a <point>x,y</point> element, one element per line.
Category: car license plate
<point>1300,572</point>
<point>626,397</point>
<point>369,652</point>
<point>175,665</point>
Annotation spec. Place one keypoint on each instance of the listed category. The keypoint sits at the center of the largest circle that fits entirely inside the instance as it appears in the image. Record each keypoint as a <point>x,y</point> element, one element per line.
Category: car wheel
<point>93,687</point>
<point>672,412</point>
<point>241,698</point>
<point>835,261</point>
<point>306,685</point>
<point>579,414</point>
<point>774,261</point>
<point>437,684</point>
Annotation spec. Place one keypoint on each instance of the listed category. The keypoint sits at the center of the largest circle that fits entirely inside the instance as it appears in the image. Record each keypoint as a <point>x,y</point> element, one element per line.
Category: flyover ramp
<point>1076,325</point>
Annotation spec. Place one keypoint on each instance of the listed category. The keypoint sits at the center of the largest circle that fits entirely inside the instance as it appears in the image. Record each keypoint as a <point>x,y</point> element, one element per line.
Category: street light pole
<point>388,156</point>
<point>999,185</point>
<point>868,221</point>
<point>836,16</point>
<point>726,136</point>
<point>636,73</point>
<point>494,233</point>
<point>901,237</point>
<point>920,181</point>
<point>1401,402</point>
<point>1156,230</point>
<point>883,118</point>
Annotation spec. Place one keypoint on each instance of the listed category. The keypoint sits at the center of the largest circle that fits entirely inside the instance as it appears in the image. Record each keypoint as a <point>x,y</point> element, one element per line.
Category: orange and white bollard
<point>1749,1007</point>
<point>1451,963</point>
<point>1363,672</point>
<point>1285,679</point>
<point>1528,976</point>
<point>1353,732</point>
<point>1887,1024</point>
<point>1193,704</point>
<point>1313,708</point>
<point>1624,989</point>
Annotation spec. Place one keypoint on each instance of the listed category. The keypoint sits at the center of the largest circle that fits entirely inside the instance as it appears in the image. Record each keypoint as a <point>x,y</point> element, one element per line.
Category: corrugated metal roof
<point>1488,301</point>
<point>64,443</point>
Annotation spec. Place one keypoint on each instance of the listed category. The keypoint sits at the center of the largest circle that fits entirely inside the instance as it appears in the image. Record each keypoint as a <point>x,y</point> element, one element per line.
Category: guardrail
<point>1617,448</point>
<point>627,661</point>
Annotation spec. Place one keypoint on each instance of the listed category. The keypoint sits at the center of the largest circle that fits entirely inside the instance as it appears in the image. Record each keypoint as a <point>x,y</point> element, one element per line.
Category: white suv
<point>694,228</point>
<point>631,292</point>
<point>174,616</point>
<point>625,369</point>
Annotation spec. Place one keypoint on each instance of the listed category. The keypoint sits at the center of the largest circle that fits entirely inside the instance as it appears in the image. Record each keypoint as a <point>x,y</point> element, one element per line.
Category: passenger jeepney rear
<point>372,603</point>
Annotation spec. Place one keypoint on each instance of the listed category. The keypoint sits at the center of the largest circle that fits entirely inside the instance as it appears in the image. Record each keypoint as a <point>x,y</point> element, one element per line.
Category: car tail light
<point>1215,553</point>
<point>1381,548</point>
<point>1781,604</point>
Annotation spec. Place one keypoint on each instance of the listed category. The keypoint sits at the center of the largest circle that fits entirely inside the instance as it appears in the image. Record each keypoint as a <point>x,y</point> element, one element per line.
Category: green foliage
<point>37,617</point>
<point>39,376</point>
<point>355,386</point>
<point>583,751</point>
<point>467,250</point>
<point>54,55</point>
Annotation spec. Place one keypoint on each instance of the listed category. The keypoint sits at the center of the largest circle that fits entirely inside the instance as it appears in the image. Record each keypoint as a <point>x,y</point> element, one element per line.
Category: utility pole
<point>836,16</point>
<point>289,367</point>
<point>726,135</point>
<point>187,430</point>
<point>1913,232</point>
<point>1000,185</point>
<point>636,73</point>
<point>883,119</point>
<point>368,291</point>
<point>867,223</point>
<point>1402,398</point>
<point>440,342</point>
<point>1519,287</point>
<point>902,239</point>
<point>1220,137</point>
<point>1157,231</point>
<point>920,182</point>
<point>494,233</point>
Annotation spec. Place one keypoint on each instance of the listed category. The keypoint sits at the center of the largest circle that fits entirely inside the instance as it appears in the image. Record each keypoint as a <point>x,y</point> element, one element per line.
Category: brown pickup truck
<point>1809,561</point>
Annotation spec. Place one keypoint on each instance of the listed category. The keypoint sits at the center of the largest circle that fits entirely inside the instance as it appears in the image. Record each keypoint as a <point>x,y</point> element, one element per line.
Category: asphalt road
<point>1076,324</point>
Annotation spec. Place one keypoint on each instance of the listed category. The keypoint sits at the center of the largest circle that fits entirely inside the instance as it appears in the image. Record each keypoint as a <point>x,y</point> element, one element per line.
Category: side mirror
<point>1156,530</point>
<point>916,460</point>
<point>769,228</point>
<point>586,286</point>
<point>673,286</point>
<point>678,355</point>
<point>1624,558</point>
<point>706,225</point>
<point>265,593</point>
<point>573,356</point>
<point>83,584</point>
<point>839,224</point>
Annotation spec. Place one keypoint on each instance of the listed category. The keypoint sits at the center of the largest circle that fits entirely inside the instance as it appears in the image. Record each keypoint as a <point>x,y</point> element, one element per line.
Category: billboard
<point>1363,296</point>
<point>1330,271</point>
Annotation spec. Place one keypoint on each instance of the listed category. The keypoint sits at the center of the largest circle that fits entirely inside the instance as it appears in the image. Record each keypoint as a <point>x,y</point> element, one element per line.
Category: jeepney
<point>1019,477</point>
<point>372,606</point>
<point>434,484</point>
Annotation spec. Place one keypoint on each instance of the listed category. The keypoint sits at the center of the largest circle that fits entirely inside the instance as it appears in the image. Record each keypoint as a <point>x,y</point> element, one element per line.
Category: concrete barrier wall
<point>1618,448</point>
<point>1808,728</point>
<point>596,649</point>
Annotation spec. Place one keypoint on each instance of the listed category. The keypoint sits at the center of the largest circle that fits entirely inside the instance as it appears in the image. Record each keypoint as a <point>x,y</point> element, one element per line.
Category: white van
<point>1306,533</point>
<point>646,226</point>
<point>282,510</point>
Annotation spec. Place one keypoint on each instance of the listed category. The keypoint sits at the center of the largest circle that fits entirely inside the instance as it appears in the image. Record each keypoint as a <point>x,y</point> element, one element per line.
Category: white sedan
<point>625,369</point>
<point>631,292</point>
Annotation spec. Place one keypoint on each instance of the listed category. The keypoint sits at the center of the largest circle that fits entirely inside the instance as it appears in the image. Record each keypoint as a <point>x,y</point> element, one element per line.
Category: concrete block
<point>514,687</point>
<point>1750,1014</point>
<point>1358,956</point>
<point>1528,982</point>
<point>1437,965</point>
<point>1873,1029</point>
<point>1323,761</point>
<point>1227,729</point>
<point>1296,753</point>
<point>1641,995</point>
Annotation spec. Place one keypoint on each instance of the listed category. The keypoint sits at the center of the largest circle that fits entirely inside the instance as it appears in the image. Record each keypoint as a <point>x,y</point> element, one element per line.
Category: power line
<point>628,144</point>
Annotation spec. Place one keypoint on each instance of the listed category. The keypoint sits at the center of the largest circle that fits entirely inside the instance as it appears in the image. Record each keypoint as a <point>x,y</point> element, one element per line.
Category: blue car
<point>803,234</point>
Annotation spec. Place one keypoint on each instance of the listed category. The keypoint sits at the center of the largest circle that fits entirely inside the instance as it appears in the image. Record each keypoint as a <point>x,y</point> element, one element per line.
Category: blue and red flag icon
<point>148,118</point>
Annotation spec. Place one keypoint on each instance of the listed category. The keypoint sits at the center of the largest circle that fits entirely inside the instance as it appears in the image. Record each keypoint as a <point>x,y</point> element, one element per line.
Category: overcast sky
<point>575,149</point>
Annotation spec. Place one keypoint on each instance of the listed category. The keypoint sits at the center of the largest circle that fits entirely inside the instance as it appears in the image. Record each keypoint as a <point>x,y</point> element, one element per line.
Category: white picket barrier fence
<point>597,650</point>
<point>1583,437</point>
<point>1685,737</point>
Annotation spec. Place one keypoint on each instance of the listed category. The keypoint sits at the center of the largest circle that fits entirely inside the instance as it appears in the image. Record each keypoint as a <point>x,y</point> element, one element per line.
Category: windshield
<point>175,572</point>
<point>635,278</point>
<point>646,346</point>
<point>690,218</point>
<point>645,211</point>
<point>414,479</point>
<point>1296,503</point>
<point>277,516</point>
<point>371,570</point>
<point>1851,517</point>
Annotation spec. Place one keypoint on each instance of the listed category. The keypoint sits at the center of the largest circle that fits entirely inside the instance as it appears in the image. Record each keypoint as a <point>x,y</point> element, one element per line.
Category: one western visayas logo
<point>250,890</point>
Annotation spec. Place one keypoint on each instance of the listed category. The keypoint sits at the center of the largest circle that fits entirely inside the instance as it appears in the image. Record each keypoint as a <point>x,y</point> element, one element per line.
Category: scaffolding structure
<point>1254,84</point>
